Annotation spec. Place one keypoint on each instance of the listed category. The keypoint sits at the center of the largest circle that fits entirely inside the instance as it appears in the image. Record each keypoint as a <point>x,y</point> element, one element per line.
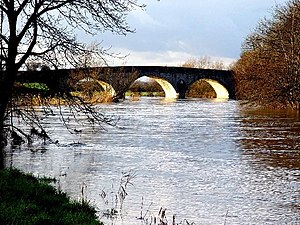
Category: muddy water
<point>208,162</point>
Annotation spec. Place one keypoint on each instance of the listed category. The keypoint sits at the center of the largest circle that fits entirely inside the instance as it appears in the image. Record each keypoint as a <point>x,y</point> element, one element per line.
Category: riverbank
<point>25,199</point>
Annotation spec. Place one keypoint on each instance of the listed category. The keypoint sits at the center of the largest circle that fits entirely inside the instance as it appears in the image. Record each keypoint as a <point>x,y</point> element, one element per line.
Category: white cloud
<point>169,32</point>
<point>163,58</point>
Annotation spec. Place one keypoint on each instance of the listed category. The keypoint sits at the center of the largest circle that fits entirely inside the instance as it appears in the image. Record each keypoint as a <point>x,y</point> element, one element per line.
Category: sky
<point>169,32</point>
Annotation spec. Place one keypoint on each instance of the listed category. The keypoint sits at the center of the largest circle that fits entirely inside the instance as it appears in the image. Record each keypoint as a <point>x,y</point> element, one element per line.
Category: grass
<point>37,86</point>
<point>27,200</point>
<point>145,94</point>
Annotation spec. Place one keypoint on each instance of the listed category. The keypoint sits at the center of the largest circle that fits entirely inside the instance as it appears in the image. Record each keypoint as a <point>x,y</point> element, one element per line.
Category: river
<point>207,162</point>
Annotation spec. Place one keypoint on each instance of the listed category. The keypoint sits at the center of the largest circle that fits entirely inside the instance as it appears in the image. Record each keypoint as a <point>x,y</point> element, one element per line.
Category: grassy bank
<point>25,199</point>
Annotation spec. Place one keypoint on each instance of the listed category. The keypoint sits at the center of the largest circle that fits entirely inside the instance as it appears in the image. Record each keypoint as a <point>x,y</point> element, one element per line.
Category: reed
<point>115,198</point>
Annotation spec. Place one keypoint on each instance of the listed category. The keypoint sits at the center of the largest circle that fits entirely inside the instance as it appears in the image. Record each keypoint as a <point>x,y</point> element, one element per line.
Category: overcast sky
<point>168,32</point>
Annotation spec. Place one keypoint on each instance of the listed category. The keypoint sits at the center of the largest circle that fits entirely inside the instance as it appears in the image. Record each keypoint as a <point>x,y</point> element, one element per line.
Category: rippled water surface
<point>207,162</point>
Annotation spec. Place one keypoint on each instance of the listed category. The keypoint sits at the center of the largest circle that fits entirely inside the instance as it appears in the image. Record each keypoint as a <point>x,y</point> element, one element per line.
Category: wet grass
<point>25,199</point>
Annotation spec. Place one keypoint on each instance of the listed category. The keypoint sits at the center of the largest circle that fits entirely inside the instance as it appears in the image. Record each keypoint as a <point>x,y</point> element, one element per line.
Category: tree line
<point>268,71</point>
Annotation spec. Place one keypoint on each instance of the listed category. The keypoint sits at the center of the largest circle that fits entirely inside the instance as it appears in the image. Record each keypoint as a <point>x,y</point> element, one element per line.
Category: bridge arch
<point>104,85</point>
<point>168,88</point>
<point>220,90</point>
<point>107,88</point>
<point>181,78</point>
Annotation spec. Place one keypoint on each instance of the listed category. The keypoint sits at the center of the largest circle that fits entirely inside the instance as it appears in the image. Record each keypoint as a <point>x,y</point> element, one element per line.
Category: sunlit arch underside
<point>220,90</point>
<point>169,90</point>
<point>106,87</point>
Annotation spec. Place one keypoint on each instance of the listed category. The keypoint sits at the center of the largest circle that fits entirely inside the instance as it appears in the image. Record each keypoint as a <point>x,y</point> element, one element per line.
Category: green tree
<point>46,29</point>
<point>268,71</point>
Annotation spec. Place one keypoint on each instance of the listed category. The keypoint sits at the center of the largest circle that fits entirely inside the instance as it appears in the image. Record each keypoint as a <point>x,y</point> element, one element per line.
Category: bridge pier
<point>181,89</point>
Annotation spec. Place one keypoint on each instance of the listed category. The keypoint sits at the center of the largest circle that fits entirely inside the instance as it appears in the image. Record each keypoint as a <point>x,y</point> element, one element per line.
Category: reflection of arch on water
<point>221,91</point>
<point>105,86</point>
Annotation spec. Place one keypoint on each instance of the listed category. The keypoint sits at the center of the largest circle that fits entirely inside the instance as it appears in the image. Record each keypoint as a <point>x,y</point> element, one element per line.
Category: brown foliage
<point>204,62</point>
<point>268,71</point>
<point>145,86</point>
<point>201,89</point>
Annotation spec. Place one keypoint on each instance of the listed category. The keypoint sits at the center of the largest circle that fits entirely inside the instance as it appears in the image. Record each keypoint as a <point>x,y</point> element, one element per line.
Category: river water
<point>207,162</point>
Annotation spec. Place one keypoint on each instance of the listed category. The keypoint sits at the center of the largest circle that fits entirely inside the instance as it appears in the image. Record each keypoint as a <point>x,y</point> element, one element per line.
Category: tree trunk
<point>3,107</point>
<point>6,86</point>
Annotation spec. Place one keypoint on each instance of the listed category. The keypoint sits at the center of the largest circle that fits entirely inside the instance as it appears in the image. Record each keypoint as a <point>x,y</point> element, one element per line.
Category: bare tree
<point>201,63</point>
<point>120,79</point>
<point>46,29</point>
<point>204,62</point>
<point>90,58</point>
<point>269,69</point>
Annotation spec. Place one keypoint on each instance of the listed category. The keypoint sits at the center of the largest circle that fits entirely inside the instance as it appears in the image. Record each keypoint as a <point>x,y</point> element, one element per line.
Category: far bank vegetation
<point>146,87</point>
<point>268,71</point>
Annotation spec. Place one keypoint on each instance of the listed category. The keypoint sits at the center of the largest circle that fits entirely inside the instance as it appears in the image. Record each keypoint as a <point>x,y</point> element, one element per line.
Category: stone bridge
<point>175,81</point>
